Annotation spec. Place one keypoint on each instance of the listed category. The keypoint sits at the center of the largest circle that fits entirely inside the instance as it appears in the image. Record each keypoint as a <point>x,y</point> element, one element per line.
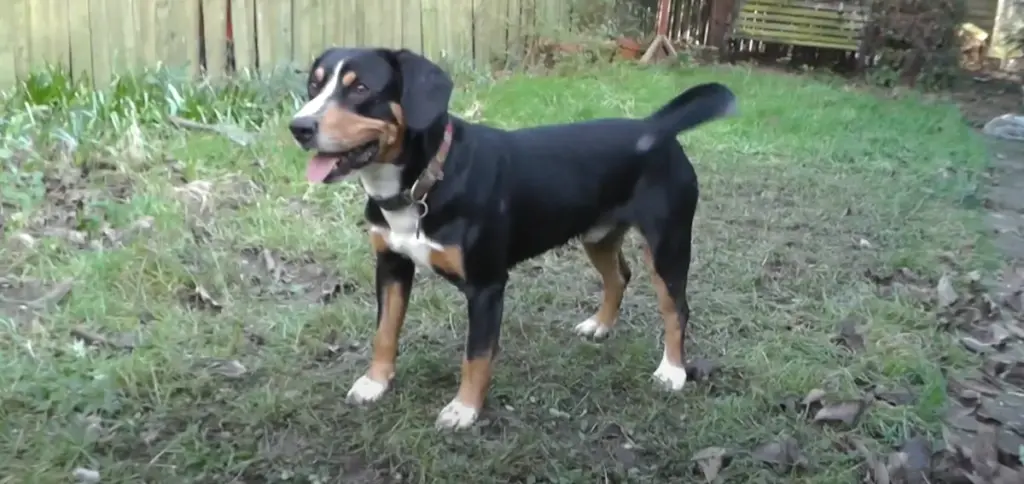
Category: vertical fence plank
<point>243,25</point>
<point>460,39</point>
<point>129,38</point>
<point>315,31</point>
<point>80,39</point>
<point>98,40</point>
<point>163,33</point>
<point>346,32</point>
<point>179,26</point>
<point>373,23</point>
<point>7,76</point>
<point>335,11</point>
<point>119,34</point>
<point>488,31</point>
<point>59,42</point>
<point>40,50</point>
<point>215,40</point>
<point>357,21</point>
<point>308,23</point>
<point>303,17</point>
<point>429,21</point>
<point>147,54</point>
<point>397,26</point>
<point>285,54</point>
<point>265,14</point>
<point>513,30</point>
<point>21,38</point>
<point>274,34</point>
<point>189,31</point>
<point>412,26</point>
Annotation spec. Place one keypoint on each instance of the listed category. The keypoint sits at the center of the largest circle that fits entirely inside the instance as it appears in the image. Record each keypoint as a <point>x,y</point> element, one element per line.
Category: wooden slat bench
<point>808,23</point>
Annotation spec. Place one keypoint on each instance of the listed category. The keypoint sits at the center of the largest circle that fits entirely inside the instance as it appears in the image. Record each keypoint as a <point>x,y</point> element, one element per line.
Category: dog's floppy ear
<point>426,89</point>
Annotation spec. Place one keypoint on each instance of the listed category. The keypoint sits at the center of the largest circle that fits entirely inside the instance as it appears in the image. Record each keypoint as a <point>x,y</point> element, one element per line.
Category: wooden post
<point>661,43</point>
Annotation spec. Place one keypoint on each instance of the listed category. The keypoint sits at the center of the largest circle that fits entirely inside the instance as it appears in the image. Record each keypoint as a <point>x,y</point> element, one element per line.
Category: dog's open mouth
<point>330,167</point>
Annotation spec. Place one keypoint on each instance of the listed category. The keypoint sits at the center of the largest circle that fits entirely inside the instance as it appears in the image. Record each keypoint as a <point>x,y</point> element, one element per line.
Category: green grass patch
<point>203,265</point>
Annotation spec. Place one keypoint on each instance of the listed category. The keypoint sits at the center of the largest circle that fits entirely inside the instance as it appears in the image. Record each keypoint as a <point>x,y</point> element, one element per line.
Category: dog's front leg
<point>486,303</point>
<point>394,283</point>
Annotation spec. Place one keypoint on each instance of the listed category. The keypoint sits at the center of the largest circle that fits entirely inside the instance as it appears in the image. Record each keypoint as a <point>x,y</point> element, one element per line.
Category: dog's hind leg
<point>606,256</point>
<point>668,256</point>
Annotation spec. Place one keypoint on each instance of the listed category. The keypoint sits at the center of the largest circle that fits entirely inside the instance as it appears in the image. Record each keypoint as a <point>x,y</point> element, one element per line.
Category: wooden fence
<point>101,39</point>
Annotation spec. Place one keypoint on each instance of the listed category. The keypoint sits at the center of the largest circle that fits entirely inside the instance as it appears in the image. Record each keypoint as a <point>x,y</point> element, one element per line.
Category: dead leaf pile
<point>984,421</point>
<point>849,335</point>
<point>75,208</point>
<point>782,455</point>
<point>819,408</point>
<point>25,300</point>
<point>912,463</point>
<point>269,274</point>
<point>201,198</point>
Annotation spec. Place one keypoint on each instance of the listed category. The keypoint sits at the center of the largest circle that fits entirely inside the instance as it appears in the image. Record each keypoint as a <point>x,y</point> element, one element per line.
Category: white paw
<point>670,376</point>
<point>365,390</point>
<point>456,415</point>
<point>591,327</point>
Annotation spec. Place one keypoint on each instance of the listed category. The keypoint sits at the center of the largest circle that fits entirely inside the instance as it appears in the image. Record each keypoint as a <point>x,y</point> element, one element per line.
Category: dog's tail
<point>694,107</point>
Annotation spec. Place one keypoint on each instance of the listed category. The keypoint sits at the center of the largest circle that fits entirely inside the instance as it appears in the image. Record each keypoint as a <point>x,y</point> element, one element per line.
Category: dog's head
<point>361,103</point>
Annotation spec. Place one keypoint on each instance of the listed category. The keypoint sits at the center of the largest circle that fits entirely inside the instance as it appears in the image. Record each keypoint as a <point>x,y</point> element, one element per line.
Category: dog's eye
<point>360,88</point>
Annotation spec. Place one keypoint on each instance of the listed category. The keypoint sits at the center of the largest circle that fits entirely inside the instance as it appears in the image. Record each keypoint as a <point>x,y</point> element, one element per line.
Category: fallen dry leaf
<point>945,292</point>
<point>878,473</point>
<point>200,298</point>
<point>700,369</point>
<point>51,299</point>
<point>846,412</point>
<point>227,368</point>
<point>912,463</point>
<point>814,396</point>
<point>849,335</point>
<point>897,397</point>
<point>783,454</point>
<point>123,342</point>
<point>711,462</point>
<point>85,476</point>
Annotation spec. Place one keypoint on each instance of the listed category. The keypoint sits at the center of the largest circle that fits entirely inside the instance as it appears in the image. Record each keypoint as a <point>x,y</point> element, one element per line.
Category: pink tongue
<point>319,167</point>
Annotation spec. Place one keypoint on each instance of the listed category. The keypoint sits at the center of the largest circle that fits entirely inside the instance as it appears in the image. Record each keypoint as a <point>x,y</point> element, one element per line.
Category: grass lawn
<point>219,307</point>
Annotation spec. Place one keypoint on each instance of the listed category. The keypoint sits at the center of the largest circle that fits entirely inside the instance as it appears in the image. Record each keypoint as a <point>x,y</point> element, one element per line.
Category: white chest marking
<point>415,247</point>
<point>401,235</point>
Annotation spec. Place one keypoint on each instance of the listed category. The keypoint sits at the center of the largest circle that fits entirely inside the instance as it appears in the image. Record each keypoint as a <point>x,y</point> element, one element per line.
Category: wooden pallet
<point>827,24</point>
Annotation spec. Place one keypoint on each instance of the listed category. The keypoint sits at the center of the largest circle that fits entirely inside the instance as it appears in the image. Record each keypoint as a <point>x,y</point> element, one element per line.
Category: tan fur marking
<point>476,381</point>
<point>348,79</point>
<point>378,243</point>
<point>350,130</point>
<point>674,350</point>
<point>385,342</point>
<point>390,151</point>
<point>448,260</point>
<point>318,74</point>
<point>607,258</point>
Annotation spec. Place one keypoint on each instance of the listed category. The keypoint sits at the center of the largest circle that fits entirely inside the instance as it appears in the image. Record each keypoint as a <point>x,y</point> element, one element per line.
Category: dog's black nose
<point>304,130</point>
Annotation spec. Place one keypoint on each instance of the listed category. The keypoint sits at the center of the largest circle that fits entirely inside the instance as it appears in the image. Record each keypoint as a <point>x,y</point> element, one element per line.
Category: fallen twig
<point>231,132</point>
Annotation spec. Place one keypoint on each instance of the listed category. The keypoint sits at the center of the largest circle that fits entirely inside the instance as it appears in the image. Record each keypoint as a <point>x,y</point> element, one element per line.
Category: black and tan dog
<point>470,201</point>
